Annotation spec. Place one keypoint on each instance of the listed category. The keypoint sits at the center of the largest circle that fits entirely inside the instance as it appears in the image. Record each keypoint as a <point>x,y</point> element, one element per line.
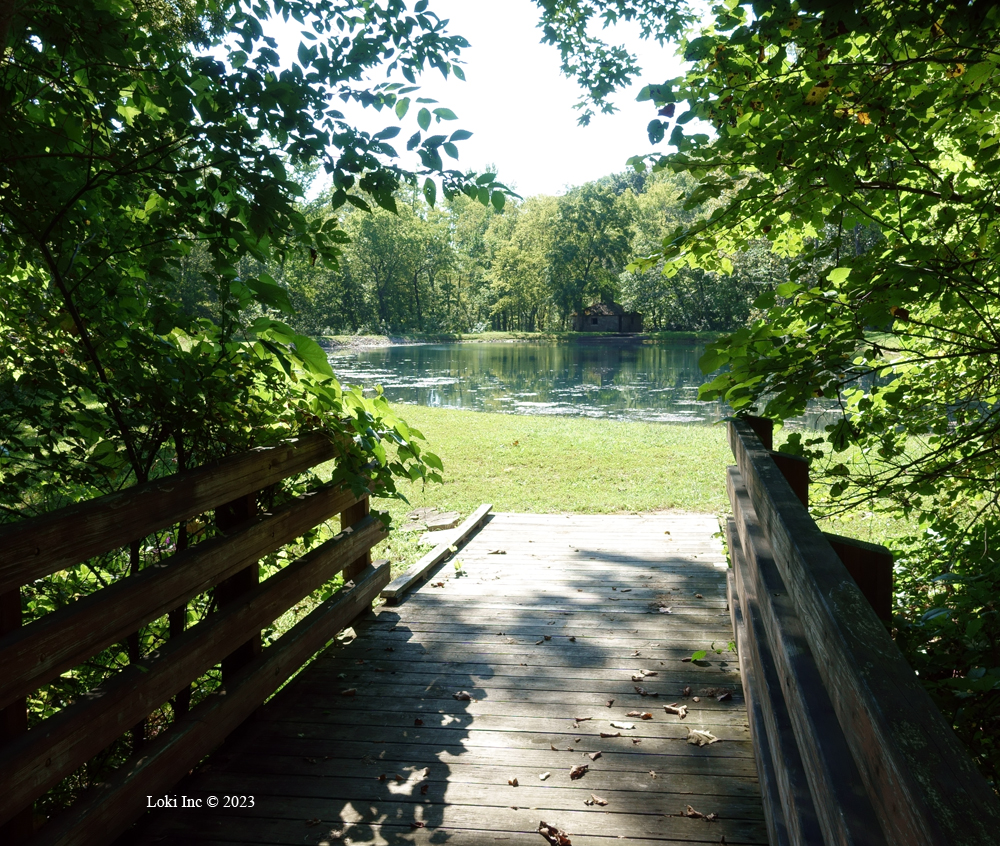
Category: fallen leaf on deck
<point>652,774</point>
<point>555,836</point>
<point>643,692</point>
<point>553,748</point>
<point>626,590</point>
<point>462,696</point>
<point>382,777</point>
<point>635,654</point>
<point>581,719</point>
<point>424,788</point>
<point>572,640</point>
<point>426,773</point>
<point>680,710</point>
<point>691,812</point>
<point>543,776</point>
<point>351,691</point>
<point>595,800</point>
<point>593,755</point>
<point>650,672</point>
<point>636,740</point>
<point>437,584</point>
<point>418,722</point>
<point>547,637</point>
<point>579,771</point>
<point>497,552</point>
<point>399,778</point>
<point>512,782</point>
<point>686,660</point>
<point>418,824</point>
<point>698,596</point>
<point>696,699</point>
<point>686,692</point>
<point>711,817</point>
<point>722,697</point>
<point>610,702</point>
<point>700,738</point>
<point>625,726</point>
<point>664,609</point>
<point>611,734</point>
<point>538,642</point>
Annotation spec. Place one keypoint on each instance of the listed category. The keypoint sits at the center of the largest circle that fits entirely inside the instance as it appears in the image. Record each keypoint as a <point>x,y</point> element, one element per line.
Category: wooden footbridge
<point>538,686</point>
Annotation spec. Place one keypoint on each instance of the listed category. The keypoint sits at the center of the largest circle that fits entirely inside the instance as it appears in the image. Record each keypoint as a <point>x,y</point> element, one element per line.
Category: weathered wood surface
<point>799,714</point>
<point>108,808</point>
<point>57,746</point>
<point>313,757</point>
<point>923,786</point>
<point>31,656</point>
<point>36,547</point>
<point>407,581</point>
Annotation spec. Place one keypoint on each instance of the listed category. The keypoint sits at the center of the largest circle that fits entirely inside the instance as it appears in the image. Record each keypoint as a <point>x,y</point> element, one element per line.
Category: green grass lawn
<point>559,464</point>
<point>567,464</point>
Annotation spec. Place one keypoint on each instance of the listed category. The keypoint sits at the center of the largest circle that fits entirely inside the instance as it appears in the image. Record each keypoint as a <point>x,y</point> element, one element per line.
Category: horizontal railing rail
<point>33,655</point>
<point>849,746</point>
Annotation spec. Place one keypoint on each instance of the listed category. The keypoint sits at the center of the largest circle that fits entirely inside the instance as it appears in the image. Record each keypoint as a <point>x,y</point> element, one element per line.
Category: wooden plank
<point>377,756</point>
<point>557,792</point>
<point>57,746</point>
<point>110,808</point>
<point>514,817</point>
<point>342,773</point>
<point>788,803</point>
<point>38,652</point>
<point>400,585</point>
<point>925,788</point>
<point>796,704</point>
<point>39,546</point>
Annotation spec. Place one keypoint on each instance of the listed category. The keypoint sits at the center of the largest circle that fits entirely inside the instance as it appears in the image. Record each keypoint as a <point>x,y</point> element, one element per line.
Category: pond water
<point>624,379</point>
<point>619,378</point>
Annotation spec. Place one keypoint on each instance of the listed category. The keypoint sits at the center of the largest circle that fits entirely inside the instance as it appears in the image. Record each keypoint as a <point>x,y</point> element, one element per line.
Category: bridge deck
<point>551,628</point>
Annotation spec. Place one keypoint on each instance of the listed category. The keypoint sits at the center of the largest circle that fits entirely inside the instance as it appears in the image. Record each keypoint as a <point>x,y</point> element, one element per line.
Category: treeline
<point>462,266</point>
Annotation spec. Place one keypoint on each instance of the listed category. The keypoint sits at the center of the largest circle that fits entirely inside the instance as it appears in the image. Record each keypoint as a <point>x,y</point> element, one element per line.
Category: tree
<point>137,137</point>
<point>520,243</point>
<point>590,243</point>
<point>812,123</point>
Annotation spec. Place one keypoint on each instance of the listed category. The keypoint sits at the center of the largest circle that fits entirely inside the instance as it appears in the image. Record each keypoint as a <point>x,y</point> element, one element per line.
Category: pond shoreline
<point>344,343</point>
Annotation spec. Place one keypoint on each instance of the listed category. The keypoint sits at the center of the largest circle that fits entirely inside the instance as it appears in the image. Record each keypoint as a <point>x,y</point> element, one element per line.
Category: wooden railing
<point>32,655</point>
<point>850,748</point>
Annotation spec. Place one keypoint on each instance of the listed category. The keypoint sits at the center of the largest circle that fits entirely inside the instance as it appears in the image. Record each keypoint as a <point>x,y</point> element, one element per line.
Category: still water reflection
<point>622,379</point>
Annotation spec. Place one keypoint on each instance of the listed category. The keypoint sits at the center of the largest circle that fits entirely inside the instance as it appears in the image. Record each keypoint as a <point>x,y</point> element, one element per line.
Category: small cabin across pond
<point>607,317</point>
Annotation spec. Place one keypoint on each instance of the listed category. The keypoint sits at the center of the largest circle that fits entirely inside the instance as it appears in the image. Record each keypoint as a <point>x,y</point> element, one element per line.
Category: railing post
<point>13,723</point>
<point>763,428</point>
<point>349,517</point>
<point>228,517</point>
<point>794,469</point>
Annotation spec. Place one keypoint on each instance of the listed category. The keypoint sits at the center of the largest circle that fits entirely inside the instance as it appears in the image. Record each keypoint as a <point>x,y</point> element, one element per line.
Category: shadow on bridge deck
<point>555,629</point>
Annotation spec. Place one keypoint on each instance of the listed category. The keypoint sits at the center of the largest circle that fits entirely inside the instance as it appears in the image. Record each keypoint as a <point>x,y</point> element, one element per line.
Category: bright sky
<point>520,107</point>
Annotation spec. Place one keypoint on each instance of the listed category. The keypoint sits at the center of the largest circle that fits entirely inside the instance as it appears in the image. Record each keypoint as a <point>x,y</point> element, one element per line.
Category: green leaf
<point>424,119</point>
<point>445,114</point>
<point>461,135</point>
<point>430,192</point>
<point>402,106</point>
<point>839,275</point>
<point>498,199</point>
<point>450,149</point>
